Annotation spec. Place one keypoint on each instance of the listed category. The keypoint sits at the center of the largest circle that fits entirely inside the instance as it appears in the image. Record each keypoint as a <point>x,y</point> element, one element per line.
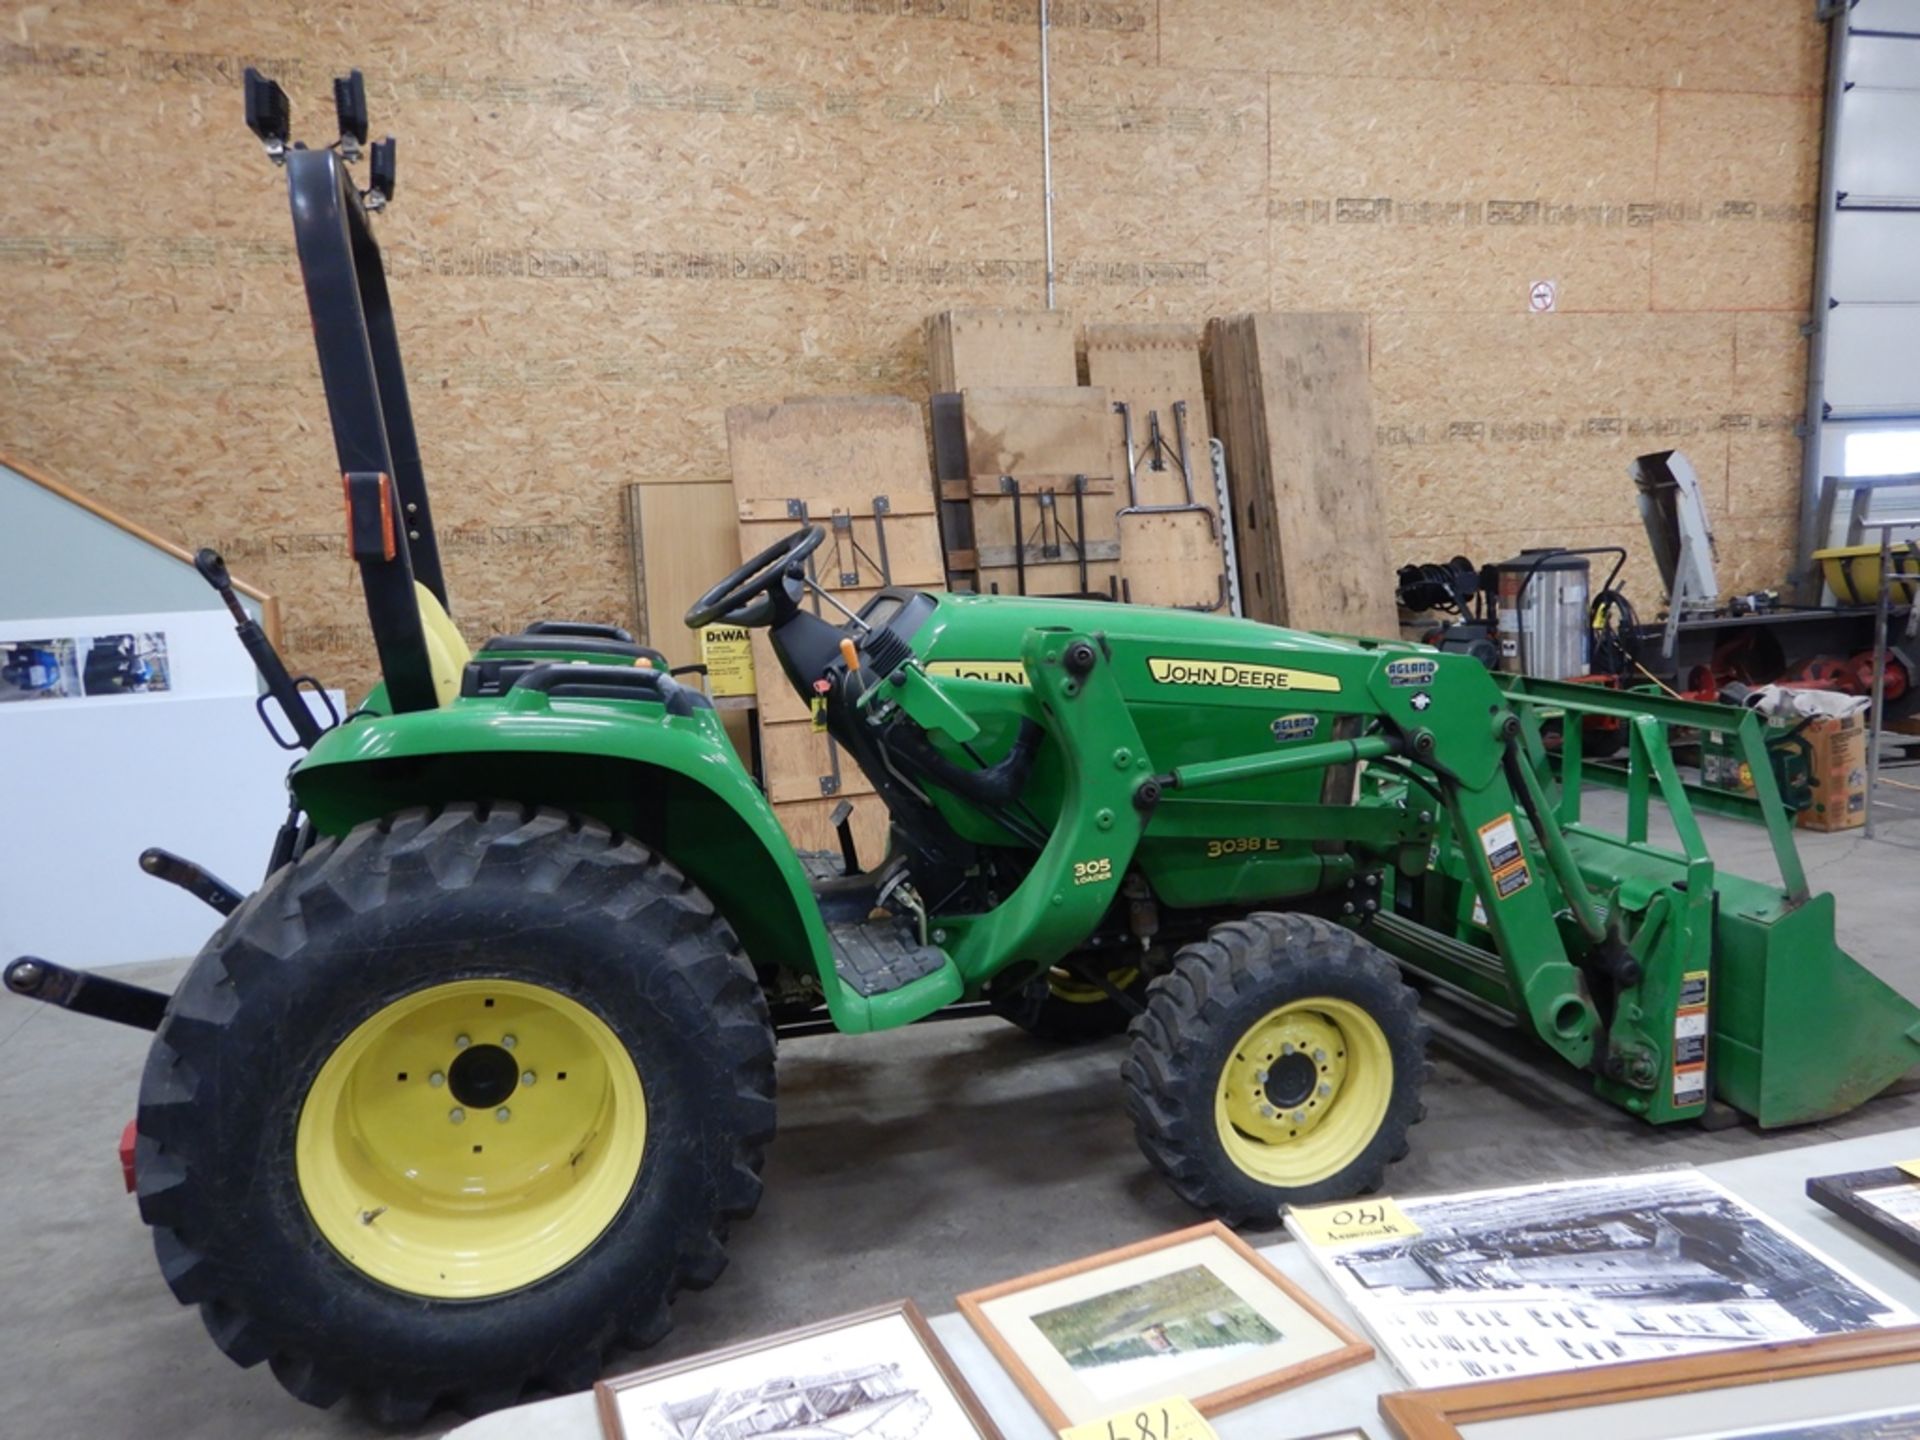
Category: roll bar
<point>360,367</point>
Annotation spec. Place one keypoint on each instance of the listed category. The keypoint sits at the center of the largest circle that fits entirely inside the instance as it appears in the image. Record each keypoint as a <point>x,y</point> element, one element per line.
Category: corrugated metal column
<point>1863,367</point>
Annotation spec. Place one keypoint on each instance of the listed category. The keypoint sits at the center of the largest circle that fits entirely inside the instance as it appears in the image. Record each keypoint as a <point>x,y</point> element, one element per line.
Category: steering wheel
<point>765,589</point>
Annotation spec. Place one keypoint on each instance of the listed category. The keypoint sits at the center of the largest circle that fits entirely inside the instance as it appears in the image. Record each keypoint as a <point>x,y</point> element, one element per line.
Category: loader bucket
<point>1802,1031</point>
<point>1799,1030</point>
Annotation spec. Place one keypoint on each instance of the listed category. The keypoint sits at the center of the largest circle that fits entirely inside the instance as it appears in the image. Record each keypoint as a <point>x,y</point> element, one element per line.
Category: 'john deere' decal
<point>1411,672</point>
<point>999,672</point>
<point>1232,675</point>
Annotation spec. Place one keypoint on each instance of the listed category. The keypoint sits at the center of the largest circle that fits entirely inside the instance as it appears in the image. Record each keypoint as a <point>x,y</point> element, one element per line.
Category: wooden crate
<point>1293,401</point>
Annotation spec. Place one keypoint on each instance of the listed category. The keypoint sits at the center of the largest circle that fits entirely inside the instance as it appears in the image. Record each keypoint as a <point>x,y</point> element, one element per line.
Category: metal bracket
<point>1155,456</point>
<point>86,993</point>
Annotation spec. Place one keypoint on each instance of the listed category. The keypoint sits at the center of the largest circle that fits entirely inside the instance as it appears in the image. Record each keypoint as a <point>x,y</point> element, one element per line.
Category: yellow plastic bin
<point>1853,573</point>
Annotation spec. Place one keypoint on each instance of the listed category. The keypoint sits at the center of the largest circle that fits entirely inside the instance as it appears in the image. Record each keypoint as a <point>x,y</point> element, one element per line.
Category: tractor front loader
<point>480,1074</point>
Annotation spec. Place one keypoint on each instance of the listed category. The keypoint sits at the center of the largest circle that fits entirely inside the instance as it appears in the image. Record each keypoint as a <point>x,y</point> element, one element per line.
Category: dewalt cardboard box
<point>1839,773</point>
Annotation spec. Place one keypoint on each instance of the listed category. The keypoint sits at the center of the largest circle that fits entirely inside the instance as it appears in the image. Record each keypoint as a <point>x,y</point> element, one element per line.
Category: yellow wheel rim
<point>471,1138</point>
<point>1064,985</point>
<point>1303,1091</point>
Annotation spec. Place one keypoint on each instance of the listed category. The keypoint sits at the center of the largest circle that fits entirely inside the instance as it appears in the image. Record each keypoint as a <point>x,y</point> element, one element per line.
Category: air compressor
<point>1544,608</point>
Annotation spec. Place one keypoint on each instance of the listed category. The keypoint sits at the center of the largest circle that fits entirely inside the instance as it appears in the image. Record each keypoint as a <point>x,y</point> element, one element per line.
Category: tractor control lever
<point>285,690</point>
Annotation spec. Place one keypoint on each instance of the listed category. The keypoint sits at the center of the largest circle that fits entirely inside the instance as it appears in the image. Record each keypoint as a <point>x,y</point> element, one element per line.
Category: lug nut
<point>1319,1057</point>
<point>456,1115</point>
<point>1268,1111</point>
<point>503,1114</point>
<point>508,1042</point>
<point>528,1078</point>
<point>1325,1090</point>
<point>1299,1117</point>
<point>437,1079</point>
<point>460,1042</point>
<point>1287,1049</point>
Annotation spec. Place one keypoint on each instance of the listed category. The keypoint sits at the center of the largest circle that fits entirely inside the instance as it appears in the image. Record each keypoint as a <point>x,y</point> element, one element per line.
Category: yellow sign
<point>999,672</point>
<point>1376,1219</point>
<point>1910,1168</point>
<point>728,656</point>
<point>1172,1419</point>
<point>1232,675</point>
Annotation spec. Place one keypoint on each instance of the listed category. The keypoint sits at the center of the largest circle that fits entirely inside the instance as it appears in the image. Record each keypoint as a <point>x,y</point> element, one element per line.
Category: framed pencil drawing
<point>876,1375</point>
<point>1196,1313</point>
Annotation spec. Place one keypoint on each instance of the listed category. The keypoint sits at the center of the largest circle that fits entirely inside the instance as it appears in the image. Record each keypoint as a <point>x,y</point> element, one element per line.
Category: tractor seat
<point>575,637</point>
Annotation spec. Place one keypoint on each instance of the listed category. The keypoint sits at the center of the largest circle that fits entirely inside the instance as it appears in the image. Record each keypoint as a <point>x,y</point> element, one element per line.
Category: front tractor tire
<point>1279,1063</point>
<point>451,1106</point>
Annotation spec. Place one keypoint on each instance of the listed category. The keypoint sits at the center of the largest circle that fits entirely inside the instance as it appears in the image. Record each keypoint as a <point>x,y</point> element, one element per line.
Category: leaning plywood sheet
<point>857,468</point>
<point>1294,404</point>
<point>1000,347</point>
<point>800,765</point>
<point>684,538</point>
<point>1168,556</point>
<point>850,448</point>
<point>1041,475</point>
<point>809,824</point>
<point>1121,358</point>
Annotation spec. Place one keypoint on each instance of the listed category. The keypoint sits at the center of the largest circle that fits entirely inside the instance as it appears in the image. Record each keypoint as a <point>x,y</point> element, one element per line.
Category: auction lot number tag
<point>1172,1419</point>
<point>1378,1218</point>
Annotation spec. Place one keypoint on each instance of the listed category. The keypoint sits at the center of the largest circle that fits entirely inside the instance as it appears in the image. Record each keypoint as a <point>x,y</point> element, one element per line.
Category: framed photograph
<point>1195,1313</point>
<point>1538,1278</point>
<point>877,1375</point>
<point>1864,1386</point>
<point>1884,1203</point>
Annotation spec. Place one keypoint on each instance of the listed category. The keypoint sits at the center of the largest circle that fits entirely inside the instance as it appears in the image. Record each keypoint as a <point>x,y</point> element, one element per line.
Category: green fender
<point>673,782</point>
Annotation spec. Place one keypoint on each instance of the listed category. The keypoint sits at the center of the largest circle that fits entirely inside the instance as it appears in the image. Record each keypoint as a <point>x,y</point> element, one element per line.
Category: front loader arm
<point>1075,877</point>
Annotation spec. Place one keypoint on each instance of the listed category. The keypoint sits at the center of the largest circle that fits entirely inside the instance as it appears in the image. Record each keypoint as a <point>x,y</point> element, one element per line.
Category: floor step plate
<point>875,957</point>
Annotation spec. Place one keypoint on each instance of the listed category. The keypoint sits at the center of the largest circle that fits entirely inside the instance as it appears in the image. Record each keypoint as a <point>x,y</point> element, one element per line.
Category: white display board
<point>90,783</point>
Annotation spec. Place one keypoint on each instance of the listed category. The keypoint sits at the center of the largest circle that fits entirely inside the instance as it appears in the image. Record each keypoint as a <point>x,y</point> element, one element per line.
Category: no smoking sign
<point>1544,296</point>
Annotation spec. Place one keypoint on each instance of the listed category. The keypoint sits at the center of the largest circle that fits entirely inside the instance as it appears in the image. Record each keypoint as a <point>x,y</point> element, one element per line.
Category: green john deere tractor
<point>479,1076</point>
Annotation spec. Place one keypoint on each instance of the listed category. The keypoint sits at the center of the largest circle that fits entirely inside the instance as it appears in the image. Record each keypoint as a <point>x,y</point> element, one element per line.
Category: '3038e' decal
<point>1092,872</point>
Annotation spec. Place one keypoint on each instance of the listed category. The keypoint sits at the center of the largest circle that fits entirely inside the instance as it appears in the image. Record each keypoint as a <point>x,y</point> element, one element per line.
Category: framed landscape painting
<point>877,1375</point>
<point>1196,1314</point>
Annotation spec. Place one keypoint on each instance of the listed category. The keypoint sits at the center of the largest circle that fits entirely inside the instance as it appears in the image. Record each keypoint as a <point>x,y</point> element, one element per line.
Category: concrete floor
<point>920,1163</point>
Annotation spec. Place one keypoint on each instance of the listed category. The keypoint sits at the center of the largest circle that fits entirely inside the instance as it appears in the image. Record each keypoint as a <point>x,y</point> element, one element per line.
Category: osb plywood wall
<point>618,217</point>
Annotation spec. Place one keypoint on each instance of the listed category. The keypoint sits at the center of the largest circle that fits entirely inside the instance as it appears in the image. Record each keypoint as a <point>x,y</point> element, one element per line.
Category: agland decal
<point>1232,675</point>
<point>998,672</point>
<point>1295,727</point>
<point>1411,673</point>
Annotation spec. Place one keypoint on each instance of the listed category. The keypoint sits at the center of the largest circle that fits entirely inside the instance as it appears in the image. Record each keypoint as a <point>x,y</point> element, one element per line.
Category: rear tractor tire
<point>451,1106</point>
<point>1279,1063</point>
